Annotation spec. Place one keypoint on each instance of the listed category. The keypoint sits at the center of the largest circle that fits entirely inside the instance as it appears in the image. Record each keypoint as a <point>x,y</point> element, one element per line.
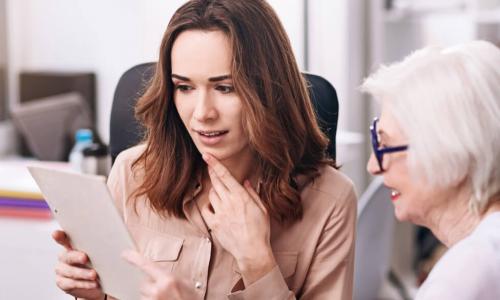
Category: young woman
<point>437,145</point>
<point>231,191</point>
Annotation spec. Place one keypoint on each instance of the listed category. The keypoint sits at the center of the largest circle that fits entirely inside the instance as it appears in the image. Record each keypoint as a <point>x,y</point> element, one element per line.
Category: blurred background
<point>60,62</point>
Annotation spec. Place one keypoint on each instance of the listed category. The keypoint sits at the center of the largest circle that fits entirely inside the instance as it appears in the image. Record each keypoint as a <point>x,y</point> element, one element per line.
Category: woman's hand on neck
<point>242,167</point>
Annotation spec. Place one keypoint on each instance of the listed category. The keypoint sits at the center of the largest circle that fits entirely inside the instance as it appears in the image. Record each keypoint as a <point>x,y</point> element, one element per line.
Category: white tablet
<point>84,209</point>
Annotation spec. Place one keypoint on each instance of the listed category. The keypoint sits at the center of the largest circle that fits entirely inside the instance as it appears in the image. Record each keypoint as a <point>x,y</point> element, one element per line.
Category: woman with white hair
<point>437,145</point>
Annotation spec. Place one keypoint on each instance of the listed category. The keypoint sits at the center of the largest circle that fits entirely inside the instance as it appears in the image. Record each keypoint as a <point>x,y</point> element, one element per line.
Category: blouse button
<point>197,285</point>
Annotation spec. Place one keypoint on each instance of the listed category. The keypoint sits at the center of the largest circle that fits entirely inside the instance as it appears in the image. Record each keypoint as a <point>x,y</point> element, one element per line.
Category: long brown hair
<point>277,113</point>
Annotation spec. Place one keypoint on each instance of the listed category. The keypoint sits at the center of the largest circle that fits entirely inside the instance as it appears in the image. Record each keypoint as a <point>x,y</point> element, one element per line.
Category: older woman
<point>437,145</point>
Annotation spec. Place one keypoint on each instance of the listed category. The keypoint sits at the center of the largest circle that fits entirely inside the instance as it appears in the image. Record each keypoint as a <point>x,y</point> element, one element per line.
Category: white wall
<point>105,37</point>
<point>328,45</point>
<point>337,48</point>
<point>337,51</point>
<point>3,61</point>
<point>291,15</point>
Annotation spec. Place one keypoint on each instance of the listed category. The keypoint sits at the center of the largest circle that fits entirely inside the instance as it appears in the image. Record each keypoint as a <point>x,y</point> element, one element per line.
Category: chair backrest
<point>125,131</point>
<point>374,240</point>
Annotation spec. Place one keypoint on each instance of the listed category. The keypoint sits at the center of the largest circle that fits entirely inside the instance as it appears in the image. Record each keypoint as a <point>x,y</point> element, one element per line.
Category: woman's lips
<point>395,195</point>
<point>211,138</point>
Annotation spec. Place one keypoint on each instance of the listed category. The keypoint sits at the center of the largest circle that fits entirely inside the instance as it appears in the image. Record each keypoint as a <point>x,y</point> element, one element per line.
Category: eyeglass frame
<point>379,152</point>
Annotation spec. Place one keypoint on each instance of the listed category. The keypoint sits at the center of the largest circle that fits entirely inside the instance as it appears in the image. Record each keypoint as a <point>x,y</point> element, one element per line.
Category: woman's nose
<point>205,107</point>
<point>372,166</point>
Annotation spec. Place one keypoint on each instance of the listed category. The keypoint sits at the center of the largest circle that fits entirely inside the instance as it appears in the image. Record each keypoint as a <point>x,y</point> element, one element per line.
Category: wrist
<point>101,297</point>
<point>254,267</point>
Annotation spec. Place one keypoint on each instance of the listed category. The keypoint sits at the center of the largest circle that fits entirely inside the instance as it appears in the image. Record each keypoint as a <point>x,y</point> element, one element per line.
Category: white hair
<point>447,102</point>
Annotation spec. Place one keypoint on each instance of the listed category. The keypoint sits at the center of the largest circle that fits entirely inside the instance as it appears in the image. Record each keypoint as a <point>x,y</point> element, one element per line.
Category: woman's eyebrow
<point>211,79</point>
<point>180,77</point>
<point>219,78</point>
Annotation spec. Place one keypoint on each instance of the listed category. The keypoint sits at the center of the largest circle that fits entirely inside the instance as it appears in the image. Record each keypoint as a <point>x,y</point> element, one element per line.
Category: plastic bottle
<point>83,139</point>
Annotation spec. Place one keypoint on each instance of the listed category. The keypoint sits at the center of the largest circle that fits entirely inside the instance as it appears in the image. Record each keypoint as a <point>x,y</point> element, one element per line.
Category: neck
<point>454,220</point>
<point>240,168</point>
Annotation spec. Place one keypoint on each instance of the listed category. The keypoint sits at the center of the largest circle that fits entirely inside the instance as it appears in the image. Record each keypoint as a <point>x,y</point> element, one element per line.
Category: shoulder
<point>478,251</point>
<point>128,156</point>
<point>122,167</point>
<point>477,257</point>
<point>330,193</point>
<point>481,246</point>
<point>331,181</point>
<point>334,186</point>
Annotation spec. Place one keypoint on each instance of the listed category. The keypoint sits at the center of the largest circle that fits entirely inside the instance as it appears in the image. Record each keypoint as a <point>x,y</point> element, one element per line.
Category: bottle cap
<point>83,135</point>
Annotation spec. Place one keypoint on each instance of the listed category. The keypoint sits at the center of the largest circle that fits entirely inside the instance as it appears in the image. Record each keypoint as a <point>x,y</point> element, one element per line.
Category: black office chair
<point>125,131</point>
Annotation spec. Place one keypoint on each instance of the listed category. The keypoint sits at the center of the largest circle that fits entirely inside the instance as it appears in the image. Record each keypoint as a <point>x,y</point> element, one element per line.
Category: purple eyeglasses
<point>379,152</point>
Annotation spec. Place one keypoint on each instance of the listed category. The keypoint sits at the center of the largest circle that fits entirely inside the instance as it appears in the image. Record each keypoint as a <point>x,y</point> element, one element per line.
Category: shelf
<point>404,10</point>
<point>487,17</point>
<point>491,17</point>
<point>429,5</point>
<point>414,14</point>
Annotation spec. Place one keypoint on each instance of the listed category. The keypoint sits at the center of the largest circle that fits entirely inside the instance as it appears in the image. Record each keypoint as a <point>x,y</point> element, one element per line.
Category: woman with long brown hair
<point>231,191</point>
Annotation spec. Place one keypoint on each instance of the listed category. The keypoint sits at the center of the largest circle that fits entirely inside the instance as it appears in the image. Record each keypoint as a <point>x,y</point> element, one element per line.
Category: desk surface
<point>28,254</point>
<point>28,258</point>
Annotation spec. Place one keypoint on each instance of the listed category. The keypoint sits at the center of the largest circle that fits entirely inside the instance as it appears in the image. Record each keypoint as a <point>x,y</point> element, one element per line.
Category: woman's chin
<point>401,214</point>
<point>210,150</point>
<point>221,156</point>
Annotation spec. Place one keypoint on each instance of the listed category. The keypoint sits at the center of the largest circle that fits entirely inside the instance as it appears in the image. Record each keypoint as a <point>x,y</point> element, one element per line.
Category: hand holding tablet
<point>84,209</point>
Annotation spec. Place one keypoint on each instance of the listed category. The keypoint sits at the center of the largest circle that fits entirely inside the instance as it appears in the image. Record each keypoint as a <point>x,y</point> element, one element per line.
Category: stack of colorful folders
<point>23,205</point>
<point>19,194</point>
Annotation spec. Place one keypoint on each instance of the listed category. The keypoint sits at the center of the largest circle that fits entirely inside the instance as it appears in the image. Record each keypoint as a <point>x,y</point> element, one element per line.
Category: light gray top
<point>470,269</point>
